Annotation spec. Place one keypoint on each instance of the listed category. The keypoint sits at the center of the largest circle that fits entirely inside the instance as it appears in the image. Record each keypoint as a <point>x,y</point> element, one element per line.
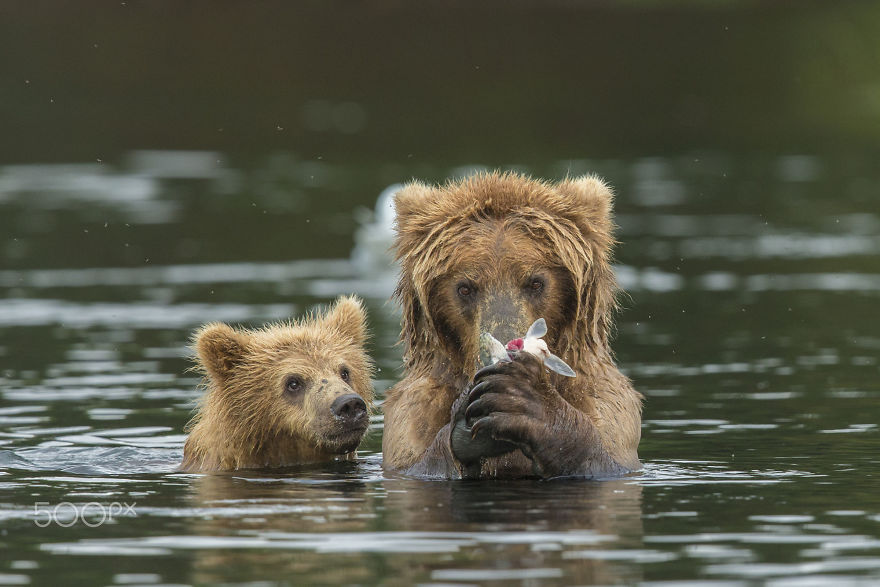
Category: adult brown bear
<point>494,252</point>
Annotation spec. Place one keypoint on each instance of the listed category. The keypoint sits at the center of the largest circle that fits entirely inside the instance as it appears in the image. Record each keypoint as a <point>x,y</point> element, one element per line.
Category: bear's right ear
<point>411,204</point>
<point>219,349</point>
<point>348,317</point>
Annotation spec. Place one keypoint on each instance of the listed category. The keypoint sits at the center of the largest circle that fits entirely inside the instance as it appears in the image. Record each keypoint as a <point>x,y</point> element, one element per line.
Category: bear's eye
<point>294,384</point>
<point>536,285</point>
<point>345,374</point>
<point>465,290</point>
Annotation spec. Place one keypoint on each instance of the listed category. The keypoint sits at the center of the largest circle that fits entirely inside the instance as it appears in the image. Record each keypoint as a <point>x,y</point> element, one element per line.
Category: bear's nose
<point>349,407</point>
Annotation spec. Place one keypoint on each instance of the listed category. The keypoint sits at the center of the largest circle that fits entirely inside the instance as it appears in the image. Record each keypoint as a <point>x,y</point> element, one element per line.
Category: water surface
<point>746,326</point>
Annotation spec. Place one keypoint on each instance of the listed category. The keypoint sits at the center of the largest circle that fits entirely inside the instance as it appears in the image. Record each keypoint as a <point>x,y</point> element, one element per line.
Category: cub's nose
<point>349,407</point>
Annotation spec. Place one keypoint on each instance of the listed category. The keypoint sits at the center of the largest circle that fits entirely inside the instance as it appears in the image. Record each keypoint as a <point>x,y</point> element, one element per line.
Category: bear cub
<point>289,393</point>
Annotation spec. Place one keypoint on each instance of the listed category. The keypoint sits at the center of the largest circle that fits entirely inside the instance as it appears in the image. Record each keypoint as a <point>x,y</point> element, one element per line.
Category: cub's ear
<point>219,349</point>
<point>348,317</point>
<point>410,205</point>
<point>592,202</point>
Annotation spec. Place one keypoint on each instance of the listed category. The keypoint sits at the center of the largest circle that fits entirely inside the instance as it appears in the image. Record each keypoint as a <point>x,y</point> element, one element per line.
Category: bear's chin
<point>344,441</point>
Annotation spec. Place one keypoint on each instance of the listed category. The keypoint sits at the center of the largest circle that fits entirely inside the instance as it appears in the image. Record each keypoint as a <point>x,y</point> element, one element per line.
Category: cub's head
<point>308,381</point>
<point>494,252</point>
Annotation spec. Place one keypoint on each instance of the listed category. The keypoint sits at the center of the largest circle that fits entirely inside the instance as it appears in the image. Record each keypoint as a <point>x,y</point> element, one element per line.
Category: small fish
<point>492,351</point>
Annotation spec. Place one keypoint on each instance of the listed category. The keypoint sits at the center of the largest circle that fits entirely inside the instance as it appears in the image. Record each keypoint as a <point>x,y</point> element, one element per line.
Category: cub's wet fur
<point>286,394</point>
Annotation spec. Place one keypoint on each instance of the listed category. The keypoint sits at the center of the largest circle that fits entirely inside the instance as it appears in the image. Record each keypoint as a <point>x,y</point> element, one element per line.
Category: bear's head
<point>305,384</point>
<point>494,252</point>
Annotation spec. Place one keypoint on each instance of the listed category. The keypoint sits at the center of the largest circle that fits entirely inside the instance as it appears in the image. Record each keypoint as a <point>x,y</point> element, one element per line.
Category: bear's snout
<point>350,408</point>
<point>503,314</point>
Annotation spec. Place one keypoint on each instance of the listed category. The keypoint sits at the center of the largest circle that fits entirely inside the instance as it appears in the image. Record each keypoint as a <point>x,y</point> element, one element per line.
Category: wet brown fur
<point>494,228</point>
<point>244,420</point>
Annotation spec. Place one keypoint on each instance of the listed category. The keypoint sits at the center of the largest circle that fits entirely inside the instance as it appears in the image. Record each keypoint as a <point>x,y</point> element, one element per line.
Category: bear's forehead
<point>491,245</point>
<point>310,364</point>
<point>311,347</point>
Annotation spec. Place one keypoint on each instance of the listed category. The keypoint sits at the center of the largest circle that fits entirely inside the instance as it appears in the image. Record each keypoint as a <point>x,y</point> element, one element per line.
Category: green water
<point>164,165</point>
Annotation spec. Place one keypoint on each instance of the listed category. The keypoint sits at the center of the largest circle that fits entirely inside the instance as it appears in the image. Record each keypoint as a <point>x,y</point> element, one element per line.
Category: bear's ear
<point>219,349</point>
<point>592,202</point>
<point>348,317</point>
<point>410,204</point>
<point>589,205</point>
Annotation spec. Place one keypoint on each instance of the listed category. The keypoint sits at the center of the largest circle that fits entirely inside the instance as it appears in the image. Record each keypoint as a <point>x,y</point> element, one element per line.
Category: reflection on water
<point>249,525</point>
<point>747,327</point>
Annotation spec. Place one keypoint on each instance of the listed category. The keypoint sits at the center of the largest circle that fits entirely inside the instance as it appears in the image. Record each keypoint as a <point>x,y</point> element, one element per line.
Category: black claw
<point>499,368</point>
<point>474,410</point>
<point>475,429</point>
<point>478,390</point>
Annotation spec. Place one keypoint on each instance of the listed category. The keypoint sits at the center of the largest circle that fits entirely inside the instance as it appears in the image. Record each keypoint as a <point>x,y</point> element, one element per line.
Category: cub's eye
<point>345,374</point>
<point>536,285</point>
<point>465,290</point>
<point>294,384</point>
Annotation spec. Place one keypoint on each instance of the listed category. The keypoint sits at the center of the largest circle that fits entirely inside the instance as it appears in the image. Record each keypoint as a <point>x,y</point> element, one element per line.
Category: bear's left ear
<point>592,201</point>
<point>589,202</point>
<point>219,348</point>
<point>348,317</point>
